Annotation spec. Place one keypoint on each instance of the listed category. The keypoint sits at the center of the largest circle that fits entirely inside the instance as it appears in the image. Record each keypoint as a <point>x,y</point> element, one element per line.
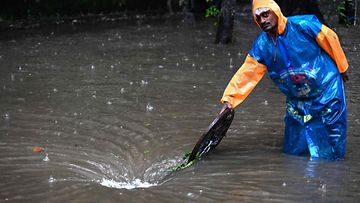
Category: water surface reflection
<point>119,106</point>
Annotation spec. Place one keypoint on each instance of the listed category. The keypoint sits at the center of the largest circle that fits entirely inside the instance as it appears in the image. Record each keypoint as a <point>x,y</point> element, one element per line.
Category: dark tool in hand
<point>210,139</point>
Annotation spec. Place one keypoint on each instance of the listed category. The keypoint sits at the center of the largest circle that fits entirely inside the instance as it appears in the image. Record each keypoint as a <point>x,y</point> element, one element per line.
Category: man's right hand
<point>344,76</point>
<point>226,105</point>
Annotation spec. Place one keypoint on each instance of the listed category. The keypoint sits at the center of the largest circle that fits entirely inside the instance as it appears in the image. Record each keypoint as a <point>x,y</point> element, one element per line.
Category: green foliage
<point>184,163</point>
<point>45,8</point>
<point>212,10</point>
<point>341,11</point>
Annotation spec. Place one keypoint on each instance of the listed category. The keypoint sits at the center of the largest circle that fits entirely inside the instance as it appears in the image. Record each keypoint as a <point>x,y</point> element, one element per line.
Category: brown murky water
<point>116,106</point>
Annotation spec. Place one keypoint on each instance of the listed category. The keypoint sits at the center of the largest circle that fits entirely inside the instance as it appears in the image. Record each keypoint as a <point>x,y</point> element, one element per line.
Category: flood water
<point>116,106</point>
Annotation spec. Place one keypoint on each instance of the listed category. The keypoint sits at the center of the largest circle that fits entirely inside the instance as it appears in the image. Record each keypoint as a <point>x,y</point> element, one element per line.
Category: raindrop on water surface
<point>46,158</point>
<point>322,188</point>
<point>7,116</point>
<point>51,179</point>
<point>149,107</point>
<point>144,83</point>
<point>191,195</point>
<point>230,63</point>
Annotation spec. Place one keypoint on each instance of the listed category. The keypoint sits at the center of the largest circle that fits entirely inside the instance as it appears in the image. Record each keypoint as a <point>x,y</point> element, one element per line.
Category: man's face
<point>268,21</point>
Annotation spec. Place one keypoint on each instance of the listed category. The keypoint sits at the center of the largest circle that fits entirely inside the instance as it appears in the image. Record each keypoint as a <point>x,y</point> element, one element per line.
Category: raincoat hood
<point>274,7</point>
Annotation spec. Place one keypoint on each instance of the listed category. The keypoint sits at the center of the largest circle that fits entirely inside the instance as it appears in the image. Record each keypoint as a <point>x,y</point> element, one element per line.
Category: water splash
<point>136,183</point>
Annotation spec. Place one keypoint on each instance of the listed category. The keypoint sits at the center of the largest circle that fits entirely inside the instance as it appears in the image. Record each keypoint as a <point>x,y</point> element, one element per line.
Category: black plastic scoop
<point>211,138</point>
<point>214,134</point>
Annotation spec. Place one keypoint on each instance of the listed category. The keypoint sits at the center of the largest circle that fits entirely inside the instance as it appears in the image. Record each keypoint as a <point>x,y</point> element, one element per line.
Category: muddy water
<point>115,107</point>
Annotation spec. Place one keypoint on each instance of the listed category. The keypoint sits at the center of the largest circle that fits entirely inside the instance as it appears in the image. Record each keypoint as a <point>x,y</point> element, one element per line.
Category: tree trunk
<point>226,22</point>
<point>296,7</point>
<point>356,11</point>
<point>169,6</point>
<point>313,8</point>
<point>189,11</point>
<point>348,17</point>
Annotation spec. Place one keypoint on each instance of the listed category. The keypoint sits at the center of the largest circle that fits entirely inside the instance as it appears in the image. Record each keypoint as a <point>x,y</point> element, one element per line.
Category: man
<point>305,60</point>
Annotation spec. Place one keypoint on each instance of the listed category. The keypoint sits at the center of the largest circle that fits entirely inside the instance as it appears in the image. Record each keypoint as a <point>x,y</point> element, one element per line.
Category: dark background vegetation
<point>32,13</point>
<point>21,9</point>
<point>18,9</point>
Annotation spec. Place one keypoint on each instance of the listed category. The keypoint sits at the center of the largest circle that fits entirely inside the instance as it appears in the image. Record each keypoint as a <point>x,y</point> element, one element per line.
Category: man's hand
<point>225,106</point>
<point>344,76</point>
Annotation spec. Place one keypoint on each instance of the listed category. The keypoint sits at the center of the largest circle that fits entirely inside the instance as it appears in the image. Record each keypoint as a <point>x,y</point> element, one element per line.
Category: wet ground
<point>116,106</point>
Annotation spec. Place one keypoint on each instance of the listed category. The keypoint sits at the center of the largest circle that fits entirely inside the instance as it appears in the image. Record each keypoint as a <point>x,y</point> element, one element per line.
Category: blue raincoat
<point>315,107</point>
<point>304,61</point>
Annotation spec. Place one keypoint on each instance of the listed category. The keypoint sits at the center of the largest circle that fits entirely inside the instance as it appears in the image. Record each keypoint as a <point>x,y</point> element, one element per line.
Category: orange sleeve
<point>243,82</point>
<point>329,41</point>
